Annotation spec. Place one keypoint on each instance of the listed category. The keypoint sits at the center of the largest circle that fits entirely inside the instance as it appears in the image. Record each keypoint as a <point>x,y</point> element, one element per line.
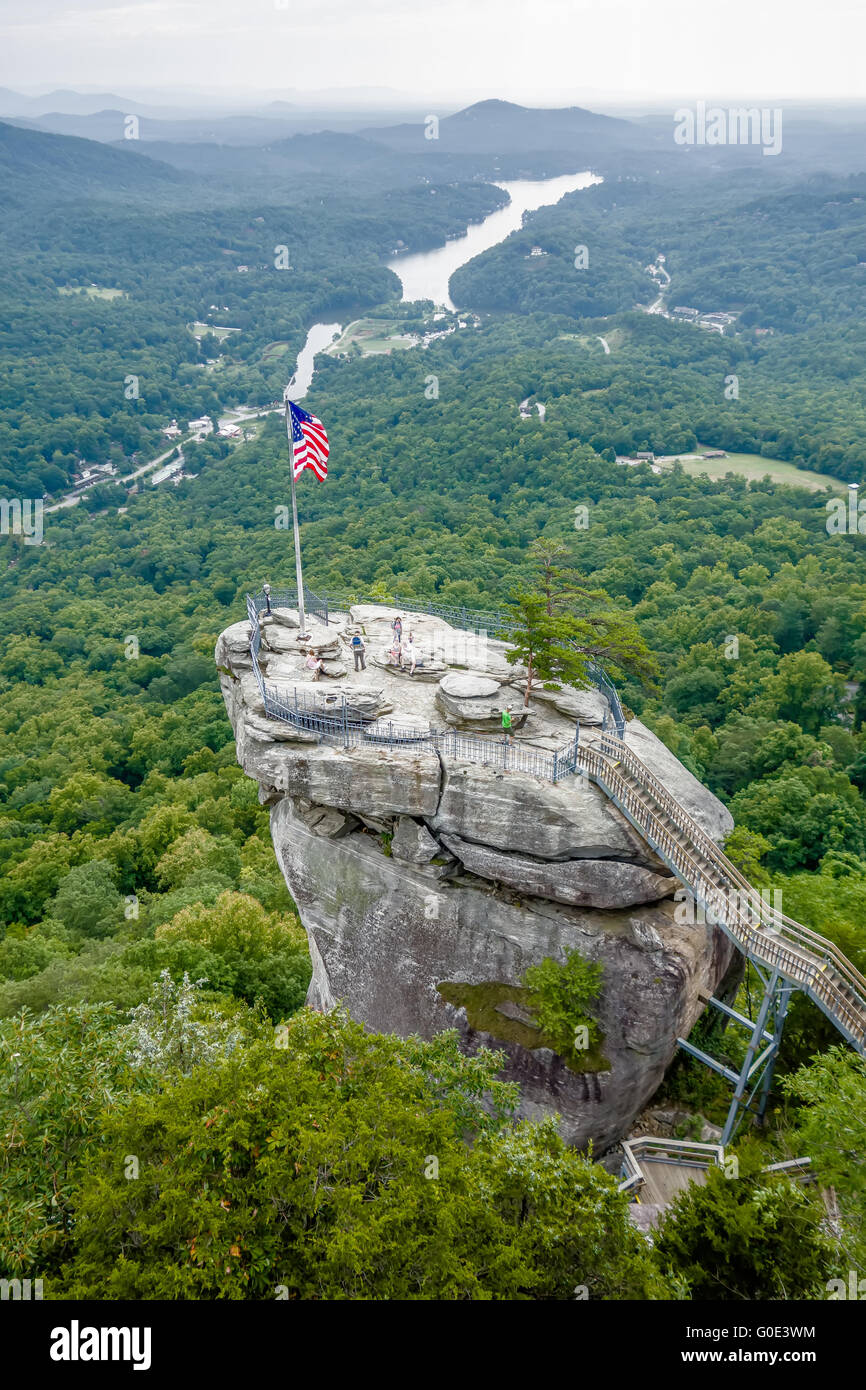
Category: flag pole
<point>302,621</point>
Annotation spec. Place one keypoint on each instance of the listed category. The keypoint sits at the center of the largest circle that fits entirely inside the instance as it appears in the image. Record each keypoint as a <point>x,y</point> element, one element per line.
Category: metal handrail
<point>347,728</point>
<point>683,1149</point>
<point>832,980</point>
<point>678,1152</point>
<point>490,622</point>
<point>288,598</point>
<point>768,916</point>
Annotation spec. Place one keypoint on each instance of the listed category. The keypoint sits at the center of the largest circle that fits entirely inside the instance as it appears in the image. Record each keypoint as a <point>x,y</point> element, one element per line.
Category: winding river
<point>320,336</point>
<point>425,274</point>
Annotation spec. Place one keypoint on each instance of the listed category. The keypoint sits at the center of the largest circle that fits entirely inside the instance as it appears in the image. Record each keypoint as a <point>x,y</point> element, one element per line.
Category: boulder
<point>583,706</point>
<point>351,779</point>
<point>284,617</point>
<point>469,687</point>
<point>480,715</point>
<point>610,883</point>
<point>428,884</point>
<point>235,640</point>
<point>671,1120</point>
<point>429,674</point>
<point>413,842</point>
<point>271,730</point>
<point>241,694</point>
<point>474,701</point>
<point>517,812</point>
<point>325,821</point>
<point>282,639</point>
<point>232,651</point>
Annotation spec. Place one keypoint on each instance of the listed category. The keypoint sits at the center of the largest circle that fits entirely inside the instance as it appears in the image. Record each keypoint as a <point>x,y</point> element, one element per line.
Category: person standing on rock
<point>358,650</point>
<point>409,654</point>
<point>506,724</point>
<point>397,625</point>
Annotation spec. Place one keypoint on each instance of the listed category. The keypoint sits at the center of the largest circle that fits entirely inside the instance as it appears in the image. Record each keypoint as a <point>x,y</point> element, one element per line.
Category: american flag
<point>310,446</point>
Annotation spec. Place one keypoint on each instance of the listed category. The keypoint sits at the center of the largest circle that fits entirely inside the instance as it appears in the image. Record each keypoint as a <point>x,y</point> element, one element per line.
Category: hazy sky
<point>547,51</point>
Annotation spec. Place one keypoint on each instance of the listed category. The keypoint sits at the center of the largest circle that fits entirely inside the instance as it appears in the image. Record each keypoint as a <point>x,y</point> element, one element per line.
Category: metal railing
<point>606,686</point>
<point>347,726</point>
<point>800,955</point>
<point>725,876</point>
<point>314,604</point>
<point>492,621</point>
<point>681,1152</point>
<point>481,622</point>
<point>691,1153</point>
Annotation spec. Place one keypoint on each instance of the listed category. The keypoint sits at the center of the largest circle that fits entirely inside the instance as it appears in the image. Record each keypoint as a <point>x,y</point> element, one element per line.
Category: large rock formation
<point>428,884</point>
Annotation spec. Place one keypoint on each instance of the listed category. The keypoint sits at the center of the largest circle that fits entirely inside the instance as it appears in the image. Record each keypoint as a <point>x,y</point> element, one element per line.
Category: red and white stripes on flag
<point>310,447</point>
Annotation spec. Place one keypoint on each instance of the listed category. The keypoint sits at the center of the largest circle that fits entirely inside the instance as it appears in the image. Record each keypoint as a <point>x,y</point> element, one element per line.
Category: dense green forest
<point>149,946</point>
<point>93,379</point>
<point>790,262</point>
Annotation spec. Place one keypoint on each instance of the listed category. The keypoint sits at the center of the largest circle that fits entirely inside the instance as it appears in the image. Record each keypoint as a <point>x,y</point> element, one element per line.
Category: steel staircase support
<point>764,936</point>
<point>774,1006</point>
<point>785,954</point>
<point>783,999</point>
<point>761,1052</point>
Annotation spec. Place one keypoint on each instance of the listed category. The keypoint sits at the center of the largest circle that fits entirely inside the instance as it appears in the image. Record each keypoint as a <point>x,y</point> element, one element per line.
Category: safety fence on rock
<point>337,721</point>
<point>481,622</point>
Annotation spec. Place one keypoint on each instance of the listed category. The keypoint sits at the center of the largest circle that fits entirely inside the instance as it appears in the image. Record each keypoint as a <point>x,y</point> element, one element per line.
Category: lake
<point>425,275</point>
<point>320,336</point>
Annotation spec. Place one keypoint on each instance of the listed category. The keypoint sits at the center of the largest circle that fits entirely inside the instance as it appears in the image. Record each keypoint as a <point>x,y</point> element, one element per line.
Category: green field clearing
<point>755,466</point>
<point>92,291</point>
<point>591,341</point>
<point>370,336</point>
<point>399,343</point>
<point>275,350</point>
<point>198,330</point>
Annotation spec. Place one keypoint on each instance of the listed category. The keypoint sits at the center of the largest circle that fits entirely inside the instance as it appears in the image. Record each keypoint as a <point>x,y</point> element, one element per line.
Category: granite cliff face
<point>428,884</point>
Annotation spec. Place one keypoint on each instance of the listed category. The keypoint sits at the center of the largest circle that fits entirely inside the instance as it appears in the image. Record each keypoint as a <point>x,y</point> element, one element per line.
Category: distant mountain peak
<point>496,127</point>
<point>489,106</point>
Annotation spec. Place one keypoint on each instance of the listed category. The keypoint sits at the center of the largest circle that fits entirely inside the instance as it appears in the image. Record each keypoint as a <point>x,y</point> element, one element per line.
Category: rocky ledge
<point>428,884</point>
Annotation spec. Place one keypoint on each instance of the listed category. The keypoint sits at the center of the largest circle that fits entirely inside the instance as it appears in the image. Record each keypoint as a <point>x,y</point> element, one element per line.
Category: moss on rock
<point>484,1012</point>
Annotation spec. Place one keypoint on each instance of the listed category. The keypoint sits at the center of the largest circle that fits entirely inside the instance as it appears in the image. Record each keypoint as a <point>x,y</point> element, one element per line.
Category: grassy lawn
<point>373,345</point>
<point>590,341</point>
<point>755,466</point>
<point>198,330</point>
<point>370,336</point>
<point>274,350</point>
<point>92,291</point>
